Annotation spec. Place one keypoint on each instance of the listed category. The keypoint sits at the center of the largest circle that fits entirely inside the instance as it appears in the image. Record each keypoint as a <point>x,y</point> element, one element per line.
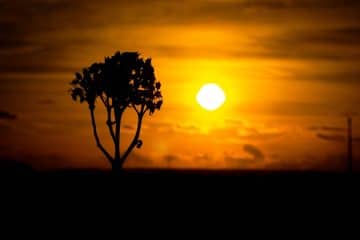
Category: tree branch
<point>108,122</point>
<point>118,114</point>
<point>98,143</point>
<point>106,103</point>
<point>145,110</point>
<point>136,137</point>
<point>135,108</point>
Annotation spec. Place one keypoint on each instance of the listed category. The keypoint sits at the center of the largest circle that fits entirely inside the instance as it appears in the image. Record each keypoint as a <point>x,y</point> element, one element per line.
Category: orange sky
<point>289,70</point>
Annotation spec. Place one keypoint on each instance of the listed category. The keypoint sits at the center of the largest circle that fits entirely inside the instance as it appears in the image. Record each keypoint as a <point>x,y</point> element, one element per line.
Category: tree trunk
<point>116,167</point>
<point>134,141</point>
<point>117,161</point>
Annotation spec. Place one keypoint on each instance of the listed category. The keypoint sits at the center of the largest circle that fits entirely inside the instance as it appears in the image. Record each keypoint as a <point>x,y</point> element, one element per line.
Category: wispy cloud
<point>239,134</point>
<point>136,160</point>
<point>7,115</point>
<point>255,153</point>
<point>175,127</point>
<point>327,128</point>
<point>333,138</point>
<point>80,19</point>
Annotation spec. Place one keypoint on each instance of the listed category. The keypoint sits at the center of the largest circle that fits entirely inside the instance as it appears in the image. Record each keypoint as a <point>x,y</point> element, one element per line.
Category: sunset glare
<point>210,97</point>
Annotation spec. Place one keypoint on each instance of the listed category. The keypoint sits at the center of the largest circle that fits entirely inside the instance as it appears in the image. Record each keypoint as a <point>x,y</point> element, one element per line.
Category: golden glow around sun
<point>210,97</point>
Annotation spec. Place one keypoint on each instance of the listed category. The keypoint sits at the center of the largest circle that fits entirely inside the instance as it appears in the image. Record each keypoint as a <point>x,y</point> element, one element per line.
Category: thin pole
<point>350,153</point>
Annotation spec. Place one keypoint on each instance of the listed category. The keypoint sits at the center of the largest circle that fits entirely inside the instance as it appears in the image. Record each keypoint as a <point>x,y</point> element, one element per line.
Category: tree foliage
<point>125,78</point>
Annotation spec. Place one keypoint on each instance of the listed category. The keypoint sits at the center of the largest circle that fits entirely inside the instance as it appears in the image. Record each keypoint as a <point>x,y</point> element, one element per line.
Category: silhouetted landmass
<point>13,167</point>
<point>142,184</point>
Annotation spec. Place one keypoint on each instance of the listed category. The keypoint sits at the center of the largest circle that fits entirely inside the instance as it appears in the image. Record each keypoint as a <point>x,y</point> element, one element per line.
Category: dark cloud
<point>336,138</point>
<point>136,160</point>
<point>255,153</point>
<point>292,49</point>
<point>347,36</point>
<point>171,158</point>
<point>332,138</point>
<point>24,51</point>
<point>292,39</point>
<point>267,11</point>
<point>34,66</point>
<point>128,127</point>
<point>7,115</point>
<point>271,48</point>
<point>281,4</point>
<point>327,128</point>
<point>289,108</point>
<point>238,134</point>
<point>174,127</point>
<point>350,76</point>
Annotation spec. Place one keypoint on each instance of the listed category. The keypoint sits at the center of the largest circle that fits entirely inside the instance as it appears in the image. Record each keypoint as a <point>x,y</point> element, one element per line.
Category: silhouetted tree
<point>123,81</point>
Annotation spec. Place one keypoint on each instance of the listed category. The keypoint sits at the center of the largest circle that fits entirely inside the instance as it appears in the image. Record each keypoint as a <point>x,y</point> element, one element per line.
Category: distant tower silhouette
<point>350,153</point>
<point>349,117</point>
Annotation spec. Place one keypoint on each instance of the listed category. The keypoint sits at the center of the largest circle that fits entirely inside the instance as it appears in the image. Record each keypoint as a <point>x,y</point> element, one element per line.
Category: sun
<point>211,96</point>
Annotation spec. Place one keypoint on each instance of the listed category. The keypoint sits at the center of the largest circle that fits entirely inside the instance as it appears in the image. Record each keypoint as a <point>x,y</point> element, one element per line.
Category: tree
<point>123,81</point>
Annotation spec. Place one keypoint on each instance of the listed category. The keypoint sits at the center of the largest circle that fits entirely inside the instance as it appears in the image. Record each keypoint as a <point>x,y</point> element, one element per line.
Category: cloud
<point>339,76</point>
<point>201,158</point>
<point>281,4</point>
<point>327,128</point>
<point>136,160</point>
<point>171,158</point>
<point>331,133</point>
<point>256,156</point>
<point>289,108</point>
<point>318,43</point>
<point>237,134</point>
<point>7,115</point>
<point>173,127</point>
<point>332,138</point>
<point>234,130</point>
<point>38,46</point>
<point>294,38</point>
<point>254,151</point>
<point>336,36</point>
<point>192,160</point>
<point>128,129</point>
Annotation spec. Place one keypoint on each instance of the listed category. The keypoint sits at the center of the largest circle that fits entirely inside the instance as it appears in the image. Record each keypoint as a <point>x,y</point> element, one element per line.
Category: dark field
<point>162,186</point>
<point>190,177</point>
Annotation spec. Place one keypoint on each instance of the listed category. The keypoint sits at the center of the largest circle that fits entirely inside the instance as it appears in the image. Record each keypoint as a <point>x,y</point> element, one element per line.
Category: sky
<point>289,70</point>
